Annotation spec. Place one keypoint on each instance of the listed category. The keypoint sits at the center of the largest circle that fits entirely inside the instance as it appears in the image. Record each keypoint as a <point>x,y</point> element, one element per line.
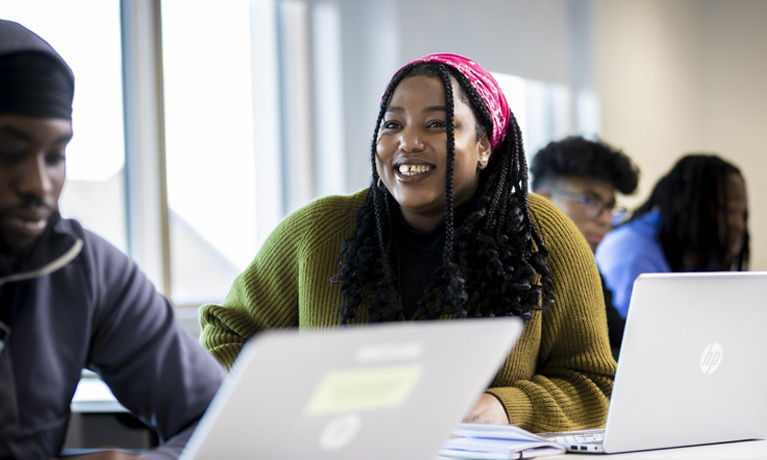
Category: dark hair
<point>494,262</point>
<point>34,79</point>
<point>692,199</point>
<point>575,156</point>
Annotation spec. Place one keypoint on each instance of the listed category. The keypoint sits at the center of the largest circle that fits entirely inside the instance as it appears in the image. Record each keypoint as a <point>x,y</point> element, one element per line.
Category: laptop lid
<point>393,390</point>
<point>693,367</point>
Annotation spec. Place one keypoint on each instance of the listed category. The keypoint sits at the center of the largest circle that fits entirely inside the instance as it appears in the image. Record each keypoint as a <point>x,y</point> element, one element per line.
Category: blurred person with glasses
<point>593,208</point>
<point>582,178</point>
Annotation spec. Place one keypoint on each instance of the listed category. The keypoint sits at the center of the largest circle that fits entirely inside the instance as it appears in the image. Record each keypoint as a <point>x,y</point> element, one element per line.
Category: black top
<point>417,256</point>
<point>415,261</point>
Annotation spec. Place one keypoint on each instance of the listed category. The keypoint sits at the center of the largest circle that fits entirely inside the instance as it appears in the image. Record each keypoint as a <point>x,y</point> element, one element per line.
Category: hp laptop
<point>692,367</point>
<point>394,390</point>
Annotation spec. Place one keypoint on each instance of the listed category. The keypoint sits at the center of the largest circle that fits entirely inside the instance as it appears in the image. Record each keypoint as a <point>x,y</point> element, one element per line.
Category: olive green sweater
<point>558,377</point>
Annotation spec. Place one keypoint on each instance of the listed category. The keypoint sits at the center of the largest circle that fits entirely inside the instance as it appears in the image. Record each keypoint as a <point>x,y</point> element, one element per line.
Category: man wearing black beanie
<point>69,299</point>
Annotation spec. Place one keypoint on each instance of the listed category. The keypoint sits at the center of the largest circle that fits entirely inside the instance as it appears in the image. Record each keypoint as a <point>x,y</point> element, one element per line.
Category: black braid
<point>494,263</point>
<point>450,167</point>
<point>366,274</point>
<point>450,275</point>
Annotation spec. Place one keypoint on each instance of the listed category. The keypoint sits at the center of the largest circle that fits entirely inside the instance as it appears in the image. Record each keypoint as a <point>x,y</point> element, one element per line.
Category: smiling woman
<point>448,113</point>
<point>411,155</point>
<point>445,231</point>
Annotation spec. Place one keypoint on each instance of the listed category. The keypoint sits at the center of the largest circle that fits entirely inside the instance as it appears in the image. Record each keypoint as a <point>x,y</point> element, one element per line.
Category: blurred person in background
<point>695,220</point>
<point>582,177</point>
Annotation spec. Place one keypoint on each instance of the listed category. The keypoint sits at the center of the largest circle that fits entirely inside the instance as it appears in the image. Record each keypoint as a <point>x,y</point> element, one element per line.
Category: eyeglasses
<point>593,207</point>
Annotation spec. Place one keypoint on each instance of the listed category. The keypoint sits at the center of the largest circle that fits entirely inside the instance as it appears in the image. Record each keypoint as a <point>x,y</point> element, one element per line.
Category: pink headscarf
<point>484,84</point>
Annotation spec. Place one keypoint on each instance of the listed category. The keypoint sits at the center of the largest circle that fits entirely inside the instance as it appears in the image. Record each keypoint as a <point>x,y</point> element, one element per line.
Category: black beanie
<point>34,79</point>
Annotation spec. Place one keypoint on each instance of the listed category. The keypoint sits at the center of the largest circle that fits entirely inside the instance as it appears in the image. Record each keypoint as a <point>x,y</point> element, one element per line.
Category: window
<point>547,111</point>
<point>216,108</point>
<point>233,105</point>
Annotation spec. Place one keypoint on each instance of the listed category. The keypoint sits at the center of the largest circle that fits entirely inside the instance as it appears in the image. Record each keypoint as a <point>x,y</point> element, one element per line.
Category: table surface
<point>94,396</point>
<point>744,450</point>
<point>756,449</point>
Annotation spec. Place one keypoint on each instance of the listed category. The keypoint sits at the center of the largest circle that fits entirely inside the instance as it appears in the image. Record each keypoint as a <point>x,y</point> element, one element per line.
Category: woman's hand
<point>487,410</point>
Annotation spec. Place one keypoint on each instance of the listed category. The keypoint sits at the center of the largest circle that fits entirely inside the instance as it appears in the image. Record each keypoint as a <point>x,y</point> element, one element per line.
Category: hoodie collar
<point>55,249</point>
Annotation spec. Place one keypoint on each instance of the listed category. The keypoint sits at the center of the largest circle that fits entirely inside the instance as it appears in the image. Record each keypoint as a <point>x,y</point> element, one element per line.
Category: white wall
<point>517,37</point>
<point>735,95</point>
<point>683,76</point>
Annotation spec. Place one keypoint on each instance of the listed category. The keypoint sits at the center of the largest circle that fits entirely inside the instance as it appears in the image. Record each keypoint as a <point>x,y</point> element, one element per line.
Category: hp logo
<point>340,431</point>
<point>711,358</point>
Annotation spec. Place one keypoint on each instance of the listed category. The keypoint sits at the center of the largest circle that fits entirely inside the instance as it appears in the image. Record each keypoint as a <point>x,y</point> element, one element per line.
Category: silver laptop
<point>692,367</point>
<point>394,390</point>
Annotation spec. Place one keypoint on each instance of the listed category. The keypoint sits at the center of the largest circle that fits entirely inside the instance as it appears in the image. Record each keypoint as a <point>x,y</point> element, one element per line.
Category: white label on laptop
<point>363,389</point>
<point>388,352</point>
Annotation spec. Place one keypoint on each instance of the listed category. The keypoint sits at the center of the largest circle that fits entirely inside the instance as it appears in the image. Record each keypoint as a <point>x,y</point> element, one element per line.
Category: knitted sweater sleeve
<point>566,348</point>
<point>286,281</point>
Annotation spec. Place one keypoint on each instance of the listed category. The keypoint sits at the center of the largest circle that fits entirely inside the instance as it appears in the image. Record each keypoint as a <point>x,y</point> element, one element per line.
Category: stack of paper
<point>492,442</point>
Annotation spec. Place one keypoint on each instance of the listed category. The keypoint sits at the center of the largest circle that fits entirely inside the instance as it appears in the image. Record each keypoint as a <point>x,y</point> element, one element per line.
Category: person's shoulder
<point>330,208</point>
<point>95,248</point>
<point>70,227</point>
<point>631,248</point>
<point>620,235</point>
<point>323,218</point>
<point>635,233</point>
<point>548,219</point>
<point>558,233</point>
<point>339,203</point>
<point>90,239</point>
<point>540,206</point>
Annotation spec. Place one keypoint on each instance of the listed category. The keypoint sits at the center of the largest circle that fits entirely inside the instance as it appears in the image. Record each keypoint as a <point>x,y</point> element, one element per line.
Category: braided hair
<point>493,263</point>
<point>693,202</point>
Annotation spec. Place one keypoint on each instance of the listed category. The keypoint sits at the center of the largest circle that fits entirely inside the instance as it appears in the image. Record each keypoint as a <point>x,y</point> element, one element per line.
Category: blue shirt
<point>627,251</point>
